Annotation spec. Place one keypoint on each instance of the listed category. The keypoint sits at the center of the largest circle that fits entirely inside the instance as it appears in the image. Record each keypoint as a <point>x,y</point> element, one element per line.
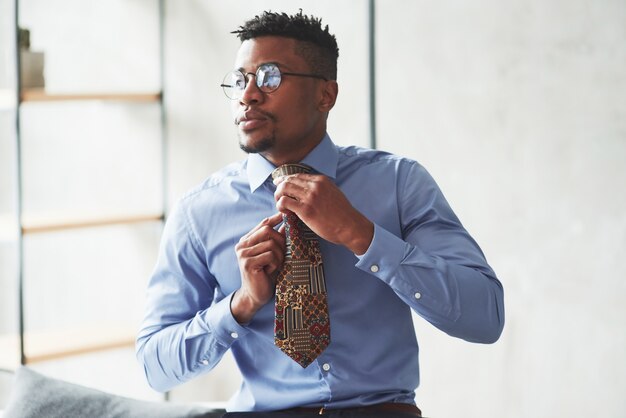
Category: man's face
<point>286,124</point>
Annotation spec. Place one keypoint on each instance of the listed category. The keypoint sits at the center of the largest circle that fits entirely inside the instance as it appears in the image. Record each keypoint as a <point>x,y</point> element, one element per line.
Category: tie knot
<point>287,169</point>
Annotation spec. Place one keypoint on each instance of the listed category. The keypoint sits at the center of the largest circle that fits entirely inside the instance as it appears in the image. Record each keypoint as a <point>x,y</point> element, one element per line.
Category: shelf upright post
<point>372,70</point>
<point>19,183</point>
<point>164,142</point>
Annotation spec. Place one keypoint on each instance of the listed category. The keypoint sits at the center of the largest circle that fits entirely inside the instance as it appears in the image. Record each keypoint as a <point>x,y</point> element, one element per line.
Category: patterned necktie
<point>301,326</point>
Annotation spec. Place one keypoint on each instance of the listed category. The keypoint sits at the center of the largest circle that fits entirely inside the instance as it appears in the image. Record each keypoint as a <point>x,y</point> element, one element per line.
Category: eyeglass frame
<point>255,74</point>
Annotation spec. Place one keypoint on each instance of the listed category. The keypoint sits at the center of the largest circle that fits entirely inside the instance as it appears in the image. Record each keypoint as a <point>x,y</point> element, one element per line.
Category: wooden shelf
<point>52,345</point>
<point>42,224</point>
<point>40,95</point>
<point>32,225</point>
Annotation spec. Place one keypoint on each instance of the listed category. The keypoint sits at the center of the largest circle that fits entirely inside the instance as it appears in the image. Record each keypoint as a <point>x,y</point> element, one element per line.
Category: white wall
<point>517,109</point>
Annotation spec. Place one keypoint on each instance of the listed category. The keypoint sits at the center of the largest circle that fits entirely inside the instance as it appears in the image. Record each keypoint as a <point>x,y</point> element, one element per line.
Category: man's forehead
<point>257,51</point>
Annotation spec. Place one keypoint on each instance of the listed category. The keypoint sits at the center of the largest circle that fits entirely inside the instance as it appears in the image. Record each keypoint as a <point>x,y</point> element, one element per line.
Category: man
<point>388,240</point>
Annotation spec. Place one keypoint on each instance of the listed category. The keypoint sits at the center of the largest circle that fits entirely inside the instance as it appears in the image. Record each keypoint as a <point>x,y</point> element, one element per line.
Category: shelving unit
<point>39,95</point>
<point>50,224</point>
<point>31,347</point>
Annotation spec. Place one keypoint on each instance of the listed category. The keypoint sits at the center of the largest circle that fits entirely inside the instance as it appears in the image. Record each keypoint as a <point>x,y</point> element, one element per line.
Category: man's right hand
<point>260,254</point>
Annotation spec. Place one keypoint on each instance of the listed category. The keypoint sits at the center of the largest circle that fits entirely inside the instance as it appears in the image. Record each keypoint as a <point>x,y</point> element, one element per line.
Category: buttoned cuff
<point>223,324</point>
<point>384,255</point>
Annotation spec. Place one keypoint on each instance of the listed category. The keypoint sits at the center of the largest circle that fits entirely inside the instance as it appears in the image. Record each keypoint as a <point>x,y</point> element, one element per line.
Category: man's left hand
<point>324,208</point>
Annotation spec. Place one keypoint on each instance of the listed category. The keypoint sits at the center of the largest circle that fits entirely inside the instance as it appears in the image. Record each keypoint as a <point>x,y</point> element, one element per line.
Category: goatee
<point>260,146</point>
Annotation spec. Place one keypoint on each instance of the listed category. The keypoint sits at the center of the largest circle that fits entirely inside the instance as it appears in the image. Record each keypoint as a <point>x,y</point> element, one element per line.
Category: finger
<point>271,221</point>
<point>263,256</point>
<point>275,219</point>
<point>275,261</point>
<point>293,190</point>
<point>264,262</point>
<point>276,244</point>
<point>285,204</point>
<point>279,236</point>
<point>266,234</point>
<point>260,239</point>
<point>254,230</point>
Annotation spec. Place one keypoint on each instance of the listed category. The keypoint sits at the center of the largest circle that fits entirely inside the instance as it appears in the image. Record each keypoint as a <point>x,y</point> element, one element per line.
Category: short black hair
<point>317,45</point>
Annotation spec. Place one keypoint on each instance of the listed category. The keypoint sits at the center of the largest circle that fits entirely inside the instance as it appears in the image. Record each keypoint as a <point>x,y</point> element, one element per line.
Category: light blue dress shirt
<point>421,258</point>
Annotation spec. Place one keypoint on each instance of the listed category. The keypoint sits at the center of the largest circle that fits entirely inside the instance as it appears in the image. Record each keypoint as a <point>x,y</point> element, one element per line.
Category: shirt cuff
<point>384,255</point>
<point>223,324</point>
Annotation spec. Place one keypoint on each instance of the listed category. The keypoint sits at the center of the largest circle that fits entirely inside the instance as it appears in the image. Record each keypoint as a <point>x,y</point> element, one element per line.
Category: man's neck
<point>279,158</point>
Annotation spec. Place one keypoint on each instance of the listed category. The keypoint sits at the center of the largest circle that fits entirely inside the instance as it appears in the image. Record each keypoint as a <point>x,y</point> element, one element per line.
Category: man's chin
<point>255,147</point>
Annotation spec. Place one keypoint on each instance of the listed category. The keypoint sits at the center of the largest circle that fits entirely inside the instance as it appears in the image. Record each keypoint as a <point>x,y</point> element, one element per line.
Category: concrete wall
<point>516,109</point>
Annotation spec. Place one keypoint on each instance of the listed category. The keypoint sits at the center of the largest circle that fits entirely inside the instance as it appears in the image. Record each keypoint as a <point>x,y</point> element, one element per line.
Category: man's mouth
<point>252,119</point>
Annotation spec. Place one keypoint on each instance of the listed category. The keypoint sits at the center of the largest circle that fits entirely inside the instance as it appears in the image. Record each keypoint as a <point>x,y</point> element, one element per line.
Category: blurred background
<point>518,109</point>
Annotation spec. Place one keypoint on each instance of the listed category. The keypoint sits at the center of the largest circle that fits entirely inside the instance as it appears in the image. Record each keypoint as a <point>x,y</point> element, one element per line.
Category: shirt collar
<point>323,159</point>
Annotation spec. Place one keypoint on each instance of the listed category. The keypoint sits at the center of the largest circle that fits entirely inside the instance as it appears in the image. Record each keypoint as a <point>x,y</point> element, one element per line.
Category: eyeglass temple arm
<point>321,77</point>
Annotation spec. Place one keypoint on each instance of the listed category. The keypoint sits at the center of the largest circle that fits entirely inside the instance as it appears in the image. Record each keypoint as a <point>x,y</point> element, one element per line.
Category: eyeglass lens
<point>267,79</point>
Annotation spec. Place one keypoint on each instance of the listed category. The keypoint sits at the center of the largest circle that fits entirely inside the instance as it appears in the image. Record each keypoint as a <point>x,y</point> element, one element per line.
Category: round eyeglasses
<point>268,77</point>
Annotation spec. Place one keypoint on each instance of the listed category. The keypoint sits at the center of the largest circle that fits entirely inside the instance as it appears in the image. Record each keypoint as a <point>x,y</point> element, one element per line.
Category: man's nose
<point>251,93</point>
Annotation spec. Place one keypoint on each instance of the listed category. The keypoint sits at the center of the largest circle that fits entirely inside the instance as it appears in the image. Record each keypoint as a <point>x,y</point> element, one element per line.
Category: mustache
<point>254,114</point>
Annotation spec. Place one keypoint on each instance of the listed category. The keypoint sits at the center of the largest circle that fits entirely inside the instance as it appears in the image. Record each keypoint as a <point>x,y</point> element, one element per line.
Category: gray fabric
<point>38,396</point>
<point>328,414</point>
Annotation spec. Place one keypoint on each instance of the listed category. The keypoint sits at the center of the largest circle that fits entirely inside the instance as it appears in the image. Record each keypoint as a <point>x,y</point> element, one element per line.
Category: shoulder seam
<point>212,181</point>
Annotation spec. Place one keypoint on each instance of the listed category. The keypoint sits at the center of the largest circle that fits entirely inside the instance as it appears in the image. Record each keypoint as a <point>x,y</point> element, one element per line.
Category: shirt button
<point>205,362</point>
<point>374,268</point>
<point>234,335</point>
<point>417,295</point>
<point>326,367</point>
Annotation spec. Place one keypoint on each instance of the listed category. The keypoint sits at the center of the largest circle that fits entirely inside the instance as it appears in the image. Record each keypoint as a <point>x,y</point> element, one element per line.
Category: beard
<point>259,146</point>
<point>264,143</point>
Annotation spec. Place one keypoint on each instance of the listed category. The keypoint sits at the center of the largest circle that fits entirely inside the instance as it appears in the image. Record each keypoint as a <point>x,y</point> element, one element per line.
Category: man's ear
<point>329,96</point>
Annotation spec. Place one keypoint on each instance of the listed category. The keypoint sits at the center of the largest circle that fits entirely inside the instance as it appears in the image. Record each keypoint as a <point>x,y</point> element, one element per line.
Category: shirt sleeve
<point>184,333</point>
<point>435,266</point>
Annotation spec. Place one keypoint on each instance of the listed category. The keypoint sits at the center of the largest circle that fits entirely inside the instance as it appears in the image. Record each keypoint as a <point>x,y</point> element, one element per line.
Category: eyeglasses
<point>268,77</point>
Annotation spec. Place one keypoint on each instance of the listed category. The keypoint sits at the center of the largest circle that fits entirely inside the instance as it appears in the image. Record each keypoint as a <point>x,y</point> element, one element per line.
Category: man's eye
<point>272,81</point>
